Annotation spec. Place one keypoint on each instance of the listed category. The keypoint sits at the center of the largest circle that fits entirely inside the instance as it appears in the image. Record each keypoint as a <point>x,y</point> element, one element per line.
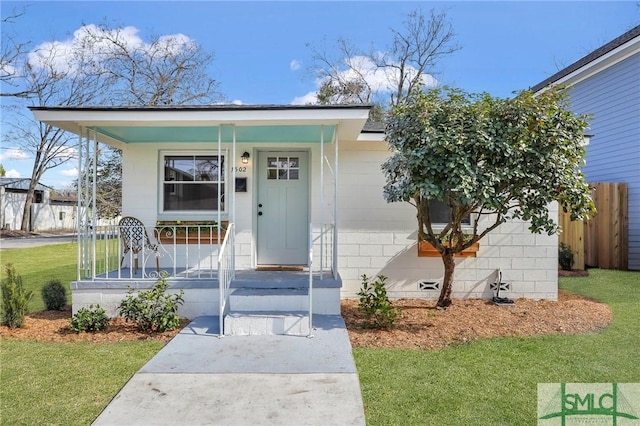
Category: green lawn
<point>60,383</point>
<point>38,265</point>
<point>495,381</point>
<point>65,383</point>
<point>482,383</point>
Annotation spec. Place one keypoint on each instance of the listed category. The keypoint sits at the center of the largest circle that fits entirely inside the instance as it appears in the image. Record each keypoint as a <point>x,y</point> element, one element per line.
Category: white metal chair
<point>135,239</point>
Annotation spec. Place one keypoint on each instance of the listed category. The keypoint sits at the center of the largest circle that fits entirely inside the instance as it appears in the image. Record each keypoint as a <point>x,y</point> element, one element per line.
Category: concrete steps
<point>263,311</point>
<point>267,323</point>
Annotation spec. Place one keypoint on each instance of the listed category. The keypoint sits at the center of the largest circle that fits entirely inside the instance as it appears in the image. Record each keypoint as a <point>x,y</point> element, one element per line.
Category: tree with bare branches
<point>100,66</point>
<point>349,74</point>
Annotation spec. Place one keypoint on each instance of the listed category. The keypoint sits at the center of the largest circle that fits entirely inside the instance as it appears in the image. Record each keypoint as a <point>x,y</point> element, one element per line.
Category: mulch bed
<point>53,326</point>
<point>422,326</point>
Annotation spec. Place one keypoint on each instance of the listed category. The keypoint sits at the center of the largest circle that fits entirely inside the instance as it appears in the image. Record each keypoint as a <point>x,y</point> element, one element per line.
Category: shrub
<point>154,309</point>
<point>89,319</point>
<point>565,257</point>
<point>15,299</point>
<point>375,304</point>
<point>54,295</point>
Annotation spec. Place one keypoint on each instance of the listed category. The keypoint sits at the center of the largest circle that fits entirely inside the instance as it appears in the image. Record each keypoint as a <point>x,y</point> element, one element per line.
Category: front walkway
<point>200,379</point>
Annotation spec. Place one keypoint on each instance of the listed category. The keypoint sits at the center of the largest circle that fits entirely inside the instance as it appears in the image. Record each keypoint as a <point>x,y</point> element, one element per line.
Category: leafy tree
<point>3,172</point>
<point>489,158</point>
<point>384,77</point>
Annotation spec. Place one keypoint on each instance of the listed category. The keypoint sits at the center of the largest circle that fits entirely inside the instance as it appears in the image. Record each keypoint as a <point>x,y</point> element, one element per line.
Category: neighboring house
<point>48,211</point>
<point>300,188</point>
<point>606,84</point>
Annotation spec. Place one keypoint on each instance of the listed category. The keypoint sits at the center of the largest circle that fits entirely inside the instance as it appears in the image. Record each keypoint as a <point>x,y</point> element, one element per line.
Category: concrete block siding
<point>528,263</point>
<point>376,237</point>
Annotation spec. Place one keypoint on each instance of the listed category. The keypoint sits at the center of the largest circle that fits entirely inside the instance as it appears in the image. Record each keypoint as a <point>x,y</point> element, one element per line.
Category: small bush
<point>15,299</point>
<point>375,304</point>
<point>565,257</point>
<point>154,309</point>
<point>89,319</point>
<point>54,295</point>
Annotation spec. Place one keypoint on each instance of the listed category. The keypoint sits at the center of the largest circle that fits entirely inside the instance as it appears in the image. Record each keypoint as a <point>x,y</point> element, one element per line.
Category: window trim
<point>190,214</point>
<point>465,226</point>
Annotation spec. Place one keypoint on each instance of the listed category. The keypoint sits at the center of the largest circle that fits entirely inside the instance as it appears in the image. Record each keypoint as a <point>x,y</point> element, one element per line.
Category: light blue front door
<point>283,208</point>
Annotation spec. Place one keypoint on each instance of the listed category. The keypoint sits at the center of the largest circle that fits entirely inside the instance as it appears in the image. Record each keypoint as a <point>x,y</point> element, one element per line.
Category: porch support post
<point>233,200</point>
<point>334,260</point>
<point>219,176</point>
<point>322,205</point>
<point>79,204</point>
<point>94,204</point>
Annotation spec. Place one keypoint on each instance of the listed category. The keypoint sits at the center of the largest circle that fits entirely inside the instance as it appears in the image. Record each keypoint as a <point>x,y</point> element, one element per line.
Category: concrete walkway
<point>200,379</point>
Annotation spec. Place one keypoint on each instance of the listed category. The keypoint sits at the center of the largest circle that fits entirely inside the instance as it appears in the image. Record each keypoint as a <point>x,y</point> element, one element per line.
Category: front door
<point>283,208</point>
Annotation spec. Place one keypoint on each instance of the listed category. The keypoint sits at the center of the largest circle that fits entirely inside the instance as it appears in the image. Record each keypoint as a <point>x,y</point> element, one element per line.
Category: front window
<point>441,213</point>
<point>191,183</point>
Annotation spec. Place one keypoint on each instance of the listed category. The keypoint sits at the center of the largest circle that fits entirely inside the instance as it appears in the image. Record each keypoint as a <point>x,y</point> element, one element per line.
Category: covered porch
<point>219,192</point>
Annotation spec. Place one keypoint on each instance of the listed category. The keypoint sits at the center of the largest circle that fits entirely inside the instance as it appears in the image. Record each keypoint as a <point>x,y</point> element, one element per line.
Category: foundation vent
<point>428,285</point>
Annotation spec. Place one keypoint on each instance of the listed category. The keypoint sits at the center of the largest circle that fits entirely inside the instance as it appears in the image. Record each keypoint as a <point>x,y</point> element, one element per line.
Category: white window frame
<point>190,214</point>
<point>465,226</point>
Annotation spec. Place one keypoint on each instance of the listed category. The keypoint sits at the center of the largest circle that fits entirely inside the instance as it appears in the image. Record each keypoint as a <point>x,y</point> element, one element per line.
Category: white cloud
<point>237,102</point>
<point>309,98</point>
<point>381,80</point>
<point>13,173</point>
<point>295,65</point>
<point>62,55</point>
<point>14,154</point>
<point>69,172</point>
<point>67,152</point>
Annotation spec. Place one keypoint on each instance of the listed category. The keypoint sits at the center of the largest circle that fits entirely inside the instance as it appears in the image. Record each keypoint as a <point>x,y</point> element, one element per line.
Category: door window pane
<point>283,168</point>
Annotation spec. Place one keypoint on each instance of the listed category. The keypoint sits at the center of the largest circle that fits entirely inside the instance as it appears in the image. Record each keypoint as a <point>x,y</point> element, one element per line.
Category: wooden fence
<point>602,241</point>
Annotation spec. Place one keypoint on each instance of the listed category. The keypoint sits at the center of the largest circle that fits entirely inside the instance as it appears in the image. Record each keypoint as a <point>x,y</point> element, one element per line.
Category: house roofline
<point>585,62</point>
<point>221,107</point>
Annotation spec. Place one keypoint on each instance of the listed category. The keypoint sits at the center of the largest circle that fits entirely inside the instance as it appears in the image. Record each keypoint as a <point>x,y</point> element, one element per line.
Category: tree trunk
<point>447,283</point>
<point>26,212</point>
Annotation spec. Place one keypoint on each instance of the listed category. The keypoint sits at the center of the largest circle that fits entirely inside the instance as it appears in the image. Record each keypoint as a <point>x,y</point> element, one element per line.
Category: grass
<point>494,381</point>
<point>38,265</point>
<point>60,383</point>
<point>488,382</point>
<point>65,383</point>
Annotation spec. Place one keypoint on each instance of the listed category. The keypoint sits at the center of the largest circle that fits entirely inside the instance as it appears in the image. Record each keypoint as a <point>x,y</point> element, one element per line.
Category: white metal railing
<point>183,251</point>
<point>226,271</point>
<point>324,244</point>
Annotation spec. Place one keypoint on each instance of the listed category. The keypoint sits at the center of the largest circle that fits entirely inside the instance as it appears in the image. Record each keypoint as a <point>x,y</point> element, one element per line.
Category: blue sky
<point>506,46</point>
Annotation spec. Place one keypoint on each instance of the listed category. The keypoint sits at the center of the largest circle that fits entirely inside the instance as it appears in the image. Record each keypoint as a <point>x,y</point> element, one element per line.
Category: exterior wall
<point>376,237</point>
<point>140,193</point>
<point>44,216</point>
<point>12,208</point>
<point>612,97</point>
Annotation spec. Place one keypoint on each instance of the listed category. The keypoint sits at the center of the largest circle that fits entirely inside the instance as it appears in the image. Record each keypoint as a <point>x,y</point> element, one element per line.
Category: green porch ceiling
<point>244,134</point>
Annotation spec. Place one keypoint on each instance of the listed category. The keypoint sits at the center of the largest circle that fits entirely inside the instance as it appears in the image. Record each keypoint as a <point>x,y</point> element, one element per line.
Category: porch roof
<point>118,126</point>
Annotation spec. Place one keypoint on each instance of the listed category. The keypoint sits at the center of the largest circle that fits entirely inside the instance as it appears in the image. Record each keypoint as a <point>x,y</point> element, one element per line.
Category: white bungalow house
<point>298,192</point>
